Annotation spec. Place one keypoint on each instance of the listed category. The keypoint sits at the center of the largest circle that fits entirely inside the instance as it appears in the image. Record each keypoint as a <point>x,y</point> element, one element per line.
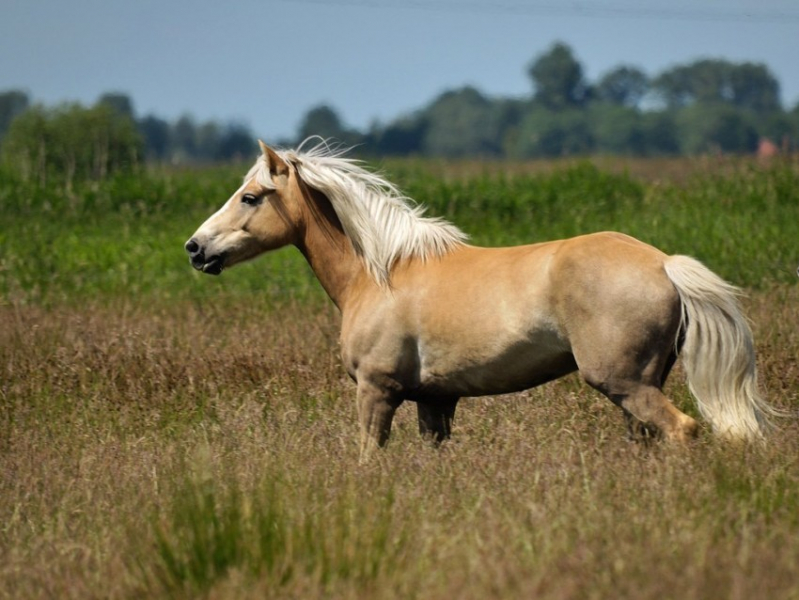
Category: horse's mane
<point>383,225</point>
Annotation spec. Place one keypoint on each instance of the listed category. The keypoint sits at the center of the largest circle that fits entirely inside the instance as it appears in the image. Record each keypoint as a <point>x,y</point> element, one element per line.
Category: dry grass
<point>211,451</point>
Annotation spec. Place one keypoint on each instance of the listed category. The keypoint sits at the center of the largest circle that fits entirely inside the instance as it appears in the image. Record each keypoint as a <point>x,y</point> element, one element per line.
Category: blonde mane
<point>383,225</point>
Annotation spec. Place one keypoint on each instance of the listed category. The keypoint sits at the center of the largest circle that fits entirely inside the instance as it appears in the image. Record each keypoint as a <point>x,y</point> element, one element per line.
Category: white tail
<point>718,352</point>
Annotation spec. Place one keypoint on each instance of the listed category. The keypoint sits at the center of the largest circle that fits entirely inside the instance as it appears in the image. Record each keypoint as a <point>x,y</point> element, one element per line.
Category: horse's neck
<point>327,249</point>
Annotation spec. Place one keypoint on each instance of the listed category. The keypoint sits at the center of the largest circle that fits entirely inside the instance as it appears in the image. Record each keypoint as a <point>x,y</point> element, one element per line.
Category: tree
<point>12,103</point>
<point>323,121</point>
<point>782,128</point>
<point>660,133</point>
<point>558,79</point>
<point>547,133</point>
<point>624,86</point>
<point>206,138</point>
<point>617,129</point>
<point>235,143</point>
<point>402,137</point>
<point>155,132</point>
<point>715,128</point>
<point>71,143</point>
<point>462,123</point>
<point>183,139</point>
<point>119,102</point>
<point>755,88</point>
<point>747,85</point>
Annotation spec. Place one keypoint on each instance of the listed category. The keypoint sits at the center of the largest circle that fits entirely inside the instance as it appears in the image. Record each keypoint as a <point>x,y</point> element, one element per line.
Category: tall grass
<point>125,237</point>
<point>185,451</point>
<point>328,532</point>
<point>740,223</point>
<point>166,434</point>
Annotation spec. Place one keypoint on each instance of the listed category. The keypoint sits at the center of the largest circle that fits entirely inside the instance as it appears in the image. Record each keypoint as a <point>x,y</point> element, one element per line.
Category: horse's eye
<point>250,199</point>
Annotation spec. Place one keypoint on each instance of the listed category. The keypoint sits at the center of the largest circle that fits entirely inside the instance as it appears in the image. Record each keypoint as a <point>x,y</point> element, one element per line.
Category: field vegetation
<point>168,434</point>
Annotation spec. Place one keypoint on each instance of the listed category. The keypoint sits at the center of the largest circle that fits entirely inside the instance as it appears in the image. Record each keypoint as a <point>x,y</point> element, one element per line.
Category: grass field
<point>166,434</point>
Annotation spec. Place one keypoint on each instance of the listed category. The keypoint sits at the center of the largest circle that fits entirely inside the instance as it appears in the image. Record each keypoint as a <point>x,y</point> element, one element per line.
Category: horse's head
<point>261,215</point>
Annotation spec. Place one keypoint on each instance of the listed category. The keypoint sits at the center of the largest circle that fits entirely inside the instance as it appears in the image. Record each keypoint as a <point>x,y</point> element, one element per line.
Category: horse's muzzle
<point>212,265</point>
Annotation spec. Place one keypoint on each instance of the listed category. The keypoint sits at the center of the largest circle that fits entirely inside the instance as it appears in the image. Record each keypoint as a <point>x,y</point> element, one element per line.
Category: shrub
<point>70,143</point>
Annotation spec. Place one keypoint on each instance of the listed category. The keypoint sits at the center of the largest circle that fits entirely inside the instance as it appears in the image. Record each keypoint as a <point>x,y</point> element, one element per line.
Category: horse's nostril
<point>192,247</point>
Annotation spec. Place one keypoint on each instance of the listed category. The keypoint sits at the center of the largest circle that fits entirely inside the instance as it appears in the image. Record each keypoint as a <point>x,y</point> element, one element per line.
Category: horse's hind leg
<point>630,373</point>
<point>670,360</point>
<point>637,429</point>
<point>435,418</point>
<point>647,407</point>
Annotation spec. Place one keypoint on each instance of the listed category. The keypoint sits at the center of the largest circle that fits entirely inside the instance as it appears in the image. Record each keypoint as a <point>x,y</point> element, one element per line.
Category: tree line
<point>707,106</point>
<point>72,142</point>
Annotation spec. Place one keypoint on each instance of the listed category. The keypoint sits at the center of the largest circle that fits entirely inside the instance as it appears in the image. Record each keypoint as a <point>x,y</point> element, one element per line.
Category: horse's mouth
<point>212,266</point>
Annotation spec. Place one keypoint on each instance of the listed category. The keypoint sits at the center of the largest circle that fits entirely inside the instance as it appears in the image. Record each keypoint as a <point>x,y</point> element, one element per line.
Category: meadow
<point>165,434</point>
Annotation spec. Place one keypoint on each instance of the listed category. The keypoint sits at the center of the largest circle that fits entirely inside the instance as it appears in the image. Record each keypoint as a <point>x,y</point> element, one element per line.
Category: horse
<point>428,318</point>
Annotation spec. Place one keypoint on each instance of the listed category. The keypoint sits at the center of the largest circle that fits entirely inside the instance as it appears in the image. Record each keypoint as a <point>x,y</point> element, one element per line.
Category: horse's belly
<point>494,368</point>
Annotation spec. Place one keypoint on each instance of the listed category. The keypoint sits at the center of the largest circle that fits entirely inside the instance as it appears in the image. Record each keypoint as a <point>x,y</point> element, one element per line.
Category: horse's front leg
<point>435,418</point>
<point>376,408</point>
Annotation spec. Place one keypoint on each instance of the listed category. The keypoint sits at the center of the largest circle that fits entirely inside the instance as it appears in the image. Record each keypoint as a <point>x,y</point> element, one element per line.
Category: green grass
<point>214,527</point>
<point>168,434</point>
<point>741,224</point>
<point>125,238</point>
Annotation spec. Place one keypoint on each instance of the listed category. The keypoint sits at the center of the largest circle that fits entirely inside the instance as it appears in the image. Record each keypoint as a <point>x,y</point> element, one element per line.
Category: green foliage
<point>70,143</point>
<point>463,123</point>
<point>12,103</point>
<point>740,223</point>
<point>215,527</point>
<point>119,102</point>
<point>747,85</point>
<point>708,106</point>
<point>558,79</point>
<point>124,238</point>
<point>546,133</point>
<point>184,141</point>
<point>618,129</point>
<point>324,121</point>
<point>623,86</point>
<point>402,137</point>
<point>211,530</point>
<point>660,133</point>
<point>715,128</point>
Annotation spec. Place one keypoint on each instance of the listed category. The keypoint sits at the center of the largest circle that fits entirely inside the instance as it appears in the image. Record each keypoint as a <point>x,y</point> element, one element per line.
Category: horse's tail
<point>718,352</point>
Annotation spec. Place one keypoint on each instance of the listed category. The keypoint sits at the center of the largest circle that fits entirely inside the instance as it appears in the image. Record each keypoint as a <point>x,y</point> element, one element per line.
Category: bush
<point>71,143</point>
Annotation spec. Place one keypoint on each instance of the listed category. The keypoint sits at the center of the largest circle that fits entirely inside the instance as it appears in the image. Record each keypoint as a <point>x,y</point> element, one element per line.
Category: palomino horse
<point>429,318</point>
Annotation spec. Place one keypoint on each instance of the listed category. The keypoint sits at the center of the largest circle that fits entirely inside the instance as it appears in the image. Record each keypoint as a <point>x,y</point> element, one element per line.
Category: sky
<point>266,63</point>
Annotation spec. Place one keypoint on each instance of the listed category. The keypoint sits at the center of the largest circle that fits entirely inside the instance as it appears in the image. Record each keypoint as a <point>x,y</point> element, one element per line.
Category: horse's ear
<point>277,166</point>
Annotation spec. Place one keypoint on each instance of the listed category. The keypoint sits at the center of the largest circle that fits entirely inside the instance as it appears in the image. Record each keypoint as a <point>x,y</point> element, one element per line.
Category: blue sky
<point>266,63</point>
